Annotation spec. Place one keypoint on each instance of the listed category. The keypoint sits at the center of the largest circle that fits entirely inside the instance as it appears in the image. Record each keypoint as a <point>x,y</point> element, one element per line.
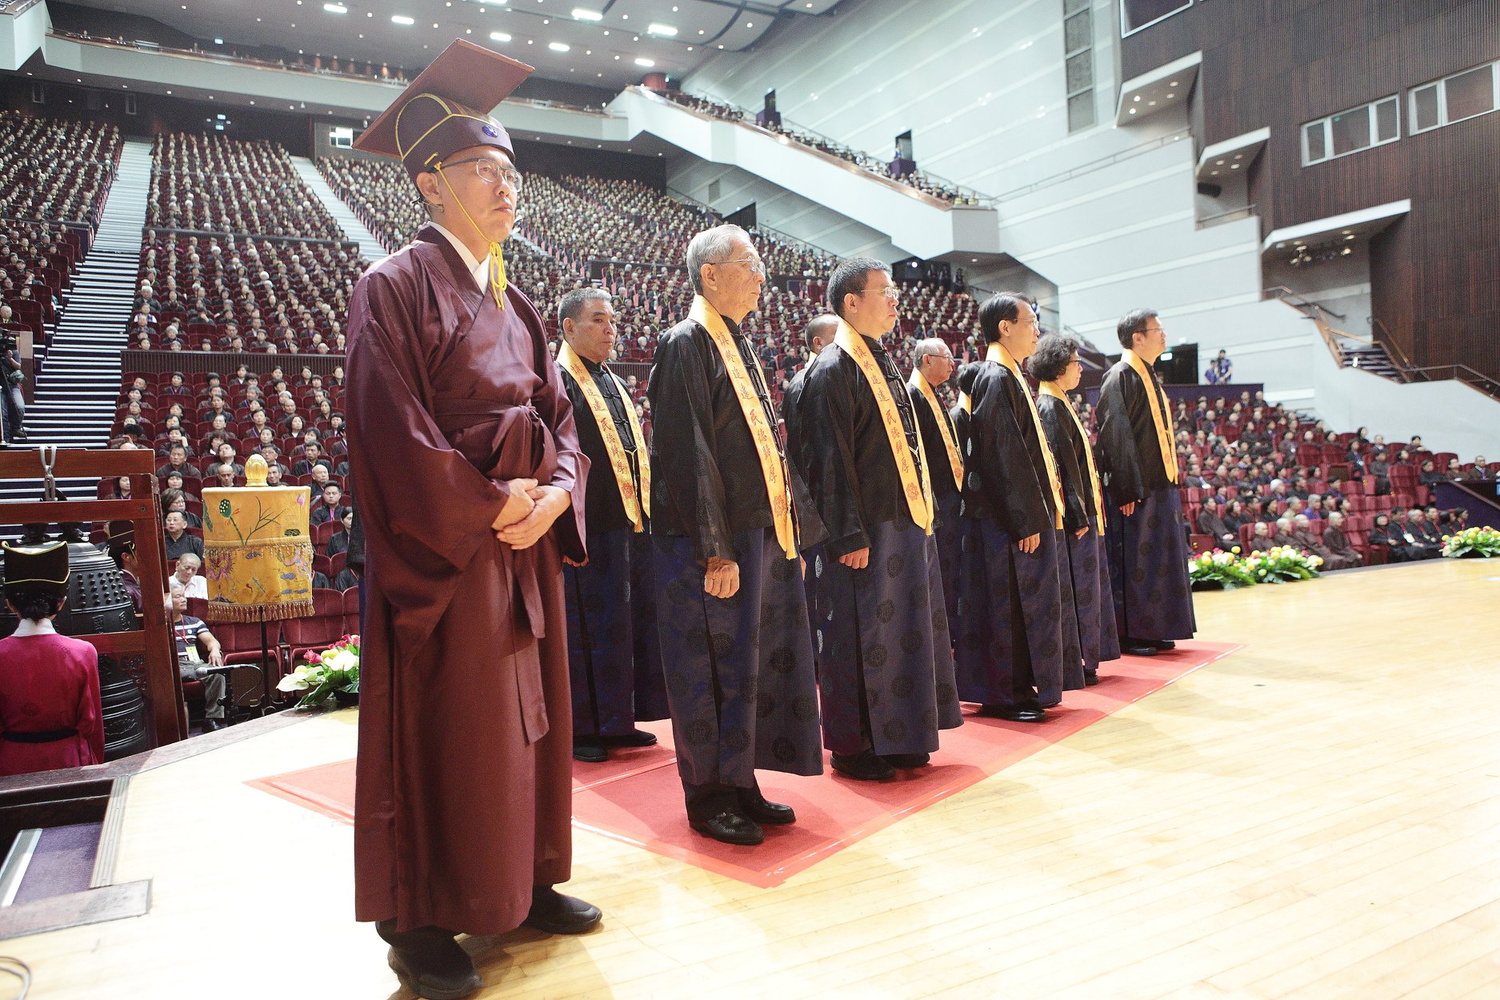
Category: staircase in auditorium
<point>369,246</point>
<point>78,380</point>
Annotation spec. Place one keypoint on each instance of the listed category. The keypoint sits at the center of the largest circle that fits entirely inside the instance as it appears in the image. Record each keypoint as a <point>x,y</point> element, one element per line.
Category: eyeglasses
<point>889,291</point>
<point>491,172</point>
<point>755,264</point>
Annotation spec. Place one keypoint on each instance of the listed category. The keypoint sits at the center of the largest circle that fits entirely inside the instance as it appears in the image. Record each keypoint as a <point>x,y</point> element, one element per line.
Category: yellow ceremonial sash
<point>949,444</point>
<point>1158,416</point>
<point>747,391</point>
<point>613,446</point>
<point>1051,389</point>
<point>997,353</point>
<point>914,481</point>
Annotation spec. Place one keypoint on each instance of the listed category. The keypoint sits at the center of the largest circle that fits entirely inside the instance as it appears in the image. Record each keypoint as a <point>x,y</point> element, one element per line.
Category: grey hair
<point>932,345</point>
<point>572,303</point>
<point>712,246</point>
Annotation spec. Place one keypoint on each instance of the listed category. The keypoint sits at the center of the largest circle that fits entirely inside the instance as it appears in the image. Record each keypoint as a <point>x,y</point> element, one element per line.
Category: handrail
<point>781,237</point>
<point>1403,360</point>
<point>1284,293</point>
<point>1092,165</point>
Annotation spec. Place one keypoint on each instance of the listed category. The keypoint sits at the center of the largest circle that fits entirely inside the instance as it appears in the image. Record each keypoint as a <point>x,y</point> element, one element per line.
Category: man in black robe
<point>726,530</point>
<point>1014,653</point>
<point>1148,551</point>
<point>614,655</point>
<point>819,335</point>
<point>934,367</point>
<point>887,681</point>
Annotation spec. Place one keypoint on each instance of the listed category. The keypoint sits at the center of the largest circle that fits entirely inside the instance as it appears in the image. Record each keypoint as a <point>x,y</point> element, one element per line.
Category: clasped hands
<point>528,512</point>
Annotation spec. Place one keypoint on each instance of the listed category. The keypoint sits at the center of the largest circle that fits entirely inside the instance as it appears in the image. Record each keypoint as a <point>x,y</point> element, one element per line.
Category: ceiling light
<point>499,36</point>
<point>335,8</point>
<point>402,19</point>
<point>496,2</point>
<point>1132,110</point>
<point>1137,97</point>
<point>580,14</point>
<point>648,63</point>
<point>663,29</point>
<point>1172,84</point>
<point>559,46</point>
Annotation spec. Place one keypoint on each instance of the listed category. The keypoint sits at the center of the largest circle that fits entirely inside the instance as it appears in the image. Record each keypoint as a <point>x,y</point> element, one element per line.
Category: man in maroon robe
<point>464,455</point>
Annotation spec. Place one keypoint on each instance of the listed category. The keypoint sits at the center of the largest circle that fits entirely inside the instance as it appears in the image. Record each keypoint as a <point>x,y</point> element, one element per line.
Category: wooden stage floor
<point>1312,817</point>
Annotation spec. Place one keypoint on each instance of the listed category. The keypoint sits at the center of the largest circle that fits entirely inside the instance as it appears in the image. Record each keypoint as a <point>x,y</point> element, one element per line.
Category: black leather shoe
<point>730,827</point>
<point>1014,713</point>
<point>555,913</point>
<point>212,725</point>
<point>863,766</point>
<point>1137,647</point>
<point>906,760</point>
<point>1161,644</point>
<point>754,805</point>
<point>589,752</point>
<point>429,962</point>
<point>634,738</point>
<point>1090,678</point>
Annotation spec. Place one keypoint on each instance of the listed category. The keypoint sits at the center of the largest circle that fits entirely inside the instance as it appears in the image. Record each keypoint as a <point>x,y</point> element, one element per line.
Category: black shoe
<point>1137,647</point>
<point>1090,678</point>
<point>1162,644</point>
<point>906,760</point>
<point>1014,713</point>
<point>429,962</point>
<point>754,805</point>
<point>212,725</point>
<point>634,738</point>
<point>555,913</point>
<point>863,766</point>
<point>589,752</point>
<point>730,827</point>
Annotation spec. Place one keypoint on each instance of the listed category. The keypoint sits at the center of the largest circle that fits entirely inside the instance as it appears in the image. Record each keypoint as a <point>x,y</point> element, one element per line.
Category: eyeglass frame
<point>513,178</point>
<point>892,292</point>
<point>756,265</point>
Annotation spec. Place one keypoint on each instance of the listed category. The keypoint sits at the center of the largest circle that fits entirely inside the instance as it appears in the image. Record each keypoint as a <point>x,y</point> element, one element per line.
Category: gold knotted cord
<point>762,434</point>
<point>1051,389</point>
<point>914,482</point>
<point>955,461</point>
<point>497,259</point>
<point>619,464</point>
<point>1158,414</point>
<point>997,353</point>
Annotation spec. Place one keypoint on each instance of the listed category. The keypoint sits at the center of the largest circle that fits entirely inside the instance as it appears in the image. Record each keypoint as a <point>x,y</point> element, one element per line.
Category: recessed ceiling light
<point>559,46</point>
<point>335,8</point>
<point>402,19</point>
<point>1137,97</point>
<point>582,14</point>
<point>1132,110</point>
<point>663,29</point>
<point>1172,84</point>
<point>648,63</point>
<point>499,36</point>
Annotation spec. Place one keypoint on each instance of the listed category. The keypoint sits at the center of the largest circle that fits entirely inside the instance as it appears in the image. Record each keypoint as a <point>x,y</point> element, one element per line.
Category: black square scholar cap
<point>444,109</point>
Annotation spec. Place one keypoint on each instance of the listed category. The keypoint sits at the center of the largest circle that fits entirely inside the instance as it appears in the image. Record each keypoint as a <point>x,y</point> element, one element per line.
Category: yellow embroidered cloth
<point>619,463</point>
<point>997,353</point>
<point>257,553</point>
<point>1158,413</point>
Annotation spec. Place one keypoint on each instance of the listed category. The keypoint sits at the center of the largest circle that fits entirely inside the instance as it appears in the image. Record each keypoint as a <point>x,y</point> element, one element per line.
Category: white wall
<point>21,36</point>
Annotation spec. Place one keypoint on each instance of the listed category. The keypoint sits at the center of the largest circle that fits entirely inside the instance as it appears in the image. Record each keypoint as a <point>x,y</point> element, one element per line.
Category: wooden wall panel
<point>1279,63</point>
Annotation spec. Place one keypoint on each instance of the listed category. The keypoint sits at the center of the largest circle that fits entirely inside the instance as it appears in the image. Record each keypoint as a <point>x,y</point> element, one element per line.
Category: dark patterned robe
<point>1011,648</point>
<point>613,651</point>
<point>945,493</point>
<point>888,681</point>
<point>1148,551</point>
<point>740,678</point>
<point>463,794</point>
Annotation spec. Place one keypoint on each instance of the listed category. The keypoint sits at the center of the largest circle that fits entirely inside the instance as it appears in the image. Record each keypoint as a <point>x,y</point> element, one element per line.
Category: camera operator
<point>12,403</point>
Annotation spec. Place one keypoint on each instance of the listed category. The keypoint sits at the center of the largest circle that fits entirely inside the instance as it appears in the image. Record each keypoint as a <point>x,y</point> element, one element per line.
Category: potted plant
<point>1472,543</point>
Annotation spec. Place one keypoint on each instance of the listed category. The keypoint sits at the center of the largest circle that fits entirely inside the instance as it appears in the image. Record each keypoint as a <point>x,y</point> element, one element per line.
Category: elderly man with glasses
<point>729,518</point>
<point>934,366</point>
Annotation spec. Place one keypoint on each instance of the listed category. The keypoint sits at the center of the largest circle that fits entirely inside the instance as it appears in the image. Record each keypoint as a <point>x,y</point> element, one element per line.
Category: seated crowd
<point>54,169</point>
<point>221,185</point>
<point>213,293</point>
<point>1257,476</point>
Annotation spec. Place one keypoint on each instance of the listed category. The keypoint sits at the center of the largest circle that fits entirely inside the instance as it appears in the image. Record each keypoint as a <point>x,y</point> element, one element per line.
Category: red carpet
<point>636,797</point>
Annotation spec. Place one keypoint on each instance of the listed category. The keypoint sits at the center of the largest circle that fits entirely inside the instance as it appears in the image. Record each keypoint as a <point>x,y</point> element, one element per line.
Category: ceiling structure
<point>602,43</point>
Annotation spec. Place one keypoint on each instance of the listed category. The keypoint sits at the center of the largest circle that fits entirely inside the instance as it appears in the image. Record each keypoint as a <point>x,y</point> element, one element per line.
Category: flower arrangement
<point>1228,570</point>
<point>326,675</point>
<point>1472,543</point>
<point>1282,564</point>
<point>1219,570</point>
